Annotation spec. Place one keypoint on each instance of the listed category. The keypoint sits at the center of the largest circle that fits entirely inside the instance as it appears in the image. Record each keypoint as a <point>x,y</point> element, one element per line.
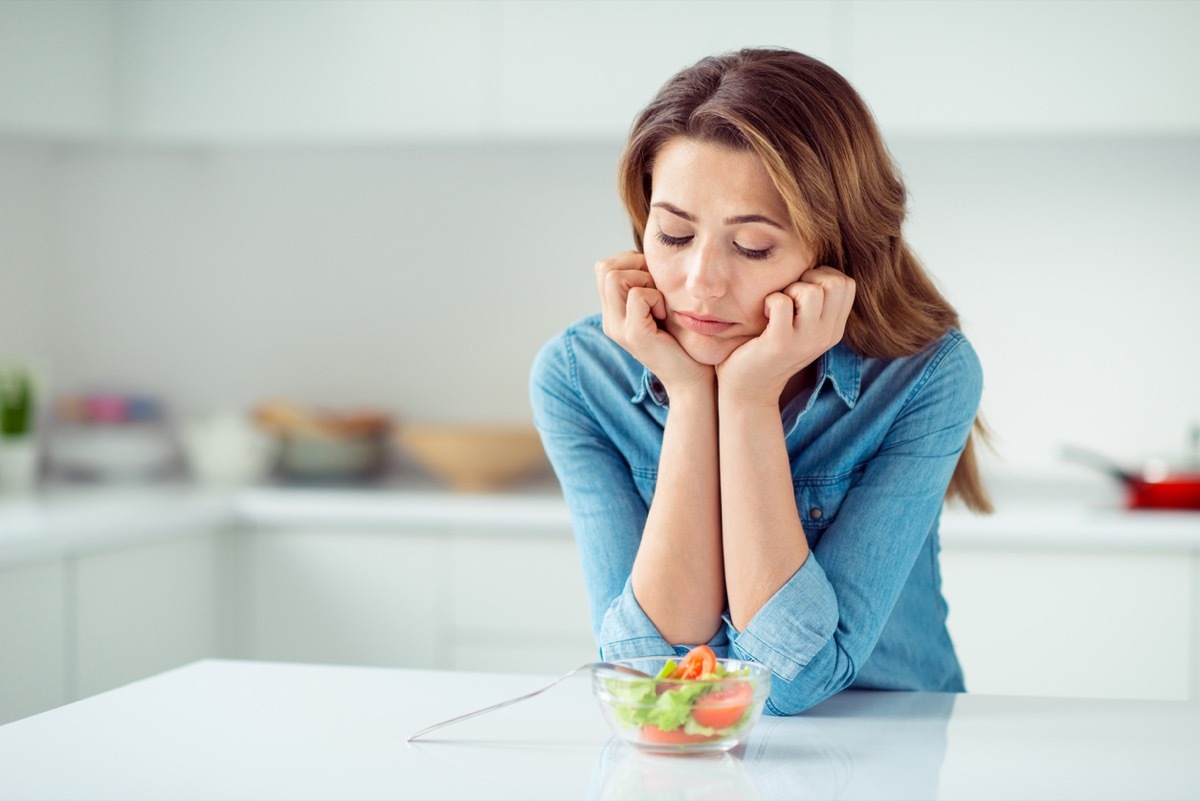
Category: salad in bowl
<point>698,703</point>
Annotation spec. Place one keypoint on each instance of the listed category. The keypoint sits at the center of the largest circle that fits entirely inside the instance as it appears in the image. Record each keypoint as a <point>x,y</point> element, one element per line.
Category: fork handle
<point>500,705</point>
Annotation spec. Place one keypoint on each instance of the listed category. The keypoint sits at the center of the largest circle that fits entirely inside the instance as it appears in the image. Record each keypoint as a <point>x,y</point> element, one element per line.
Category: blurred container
<point>18,465</point>
<point>317,446</point>
<point>111,437</point>
<point>474,458</point>
<point>228,450</point>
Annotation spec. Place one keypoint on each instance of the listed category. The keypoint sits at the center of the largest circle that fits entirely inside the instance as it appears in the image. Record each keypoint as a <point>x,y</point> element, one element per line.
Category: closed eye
<point>673,241</point>
<point>752,254</point>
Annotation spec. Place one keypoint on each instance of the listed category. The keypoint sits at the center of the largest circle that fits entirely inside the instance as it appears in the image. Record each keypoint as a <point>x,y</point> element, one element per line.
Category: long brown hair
<point>825,156</point>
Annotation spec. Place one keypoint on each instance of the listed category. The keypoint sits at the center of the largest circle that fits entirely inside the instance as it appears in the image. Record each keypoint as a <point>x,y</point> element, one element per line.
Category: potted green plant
<point>18,452</point>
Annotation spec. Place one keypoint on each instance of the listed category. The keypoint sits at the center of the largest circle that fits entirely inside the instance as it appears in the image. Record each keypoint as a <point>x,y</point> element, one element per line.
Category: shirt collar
<point>841,366</point>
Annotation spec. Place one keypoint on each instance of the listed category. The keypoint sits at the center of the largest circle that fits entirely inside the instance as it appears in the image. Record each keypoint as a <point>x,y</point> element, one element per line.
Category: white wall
<point>28,188</point>
<point>418,278</point>
<point>1074,268</point>
<point>423,279</point>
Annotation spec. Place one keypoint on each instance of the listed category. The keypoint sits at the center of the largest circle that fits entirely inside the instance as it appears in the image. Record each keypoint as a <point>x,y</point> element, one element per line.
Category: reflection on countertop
<point>825,753</point>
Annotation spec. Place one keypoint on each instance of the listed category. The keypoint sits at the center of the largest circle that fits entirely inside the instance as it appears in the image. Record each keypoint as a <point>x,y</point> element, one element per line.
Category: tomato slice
<point>653,734</point>
<point>723,707</point>
<point>698,662</point>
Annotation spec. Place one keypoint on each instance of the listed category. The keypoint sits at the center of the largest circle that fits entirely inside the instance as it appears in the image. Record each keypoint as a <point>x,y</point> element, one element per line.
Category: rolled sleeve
<point>777,622</point>
<point>627,633</point>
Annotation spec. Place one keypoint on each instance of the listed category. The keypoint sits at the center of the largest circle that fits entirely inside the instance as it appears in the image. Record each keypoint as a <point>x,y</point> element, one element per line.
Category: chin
<point>708,350</point>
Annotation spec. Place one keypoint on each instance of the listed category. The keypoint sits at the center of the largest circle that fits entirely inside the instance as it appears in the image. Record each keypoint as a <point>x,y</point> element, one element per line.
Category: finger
<point>627,260</point>
<point>640,308</point>
<point>615,290</point>
<point>838,289</point>
<point>808,300</point>
<point>780,310</point>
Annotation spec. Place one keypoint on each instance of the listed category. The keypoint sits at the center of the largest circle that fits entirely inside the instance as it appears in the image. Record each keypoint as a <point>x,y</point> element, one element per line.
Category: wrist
<point>731,398</point>
<point>701,387</point>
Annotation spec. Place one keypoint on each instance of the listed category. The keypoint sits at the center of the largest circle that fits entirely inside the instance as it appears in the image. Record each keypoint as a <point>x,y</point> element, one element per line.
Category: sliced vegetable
<point>723,706</point>
<point>700,661</point>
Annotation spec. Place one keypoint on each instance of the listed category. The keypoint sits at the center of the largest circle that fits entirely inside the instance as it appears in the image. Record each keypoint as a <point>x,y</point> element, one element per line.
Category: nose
<point>706,277</point>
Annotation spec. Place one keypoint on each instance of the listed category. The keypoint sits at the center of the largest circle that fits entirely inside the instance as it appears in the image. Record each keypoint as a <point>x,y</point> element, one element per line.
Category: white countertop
<point>76,520</point>
<point>248,730</point>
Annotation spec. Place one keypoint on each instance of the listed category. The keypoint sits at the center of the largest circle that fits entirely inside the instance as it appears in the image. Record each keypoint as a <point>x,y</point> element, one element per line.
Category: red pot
<point>1175,491</point>
<point>1158,487</point>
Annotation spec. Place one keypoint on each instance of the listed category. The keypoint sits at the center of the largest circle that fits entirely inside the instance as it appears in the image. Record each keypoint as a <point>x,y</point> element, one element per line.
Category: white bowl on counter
<point>228,450</point>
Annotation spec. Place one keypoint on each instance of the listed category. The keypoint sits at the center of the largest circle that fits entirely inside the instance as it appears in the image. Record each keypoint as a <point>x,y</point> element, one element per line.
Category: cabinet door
<point>517,604</point>
<point>33,665</point>
<point>1071,623</point>
<point>57,68</point>
<point>307,71</point>
<point>993,66</point>
<point>364,597</point>
<point>144,609</point>
<point>586,69</point>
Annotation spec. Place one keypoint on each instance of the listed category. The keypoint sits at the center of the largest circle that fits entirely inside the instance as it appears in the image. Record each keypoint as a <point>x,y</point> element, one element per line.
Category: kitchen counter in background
<point>79,519</point>
<point>113,585</point>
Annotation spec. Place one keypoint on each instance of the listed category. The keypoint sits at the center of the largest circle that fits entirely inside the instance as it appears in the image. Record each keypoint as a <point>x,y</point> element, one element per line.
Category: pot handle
<point>1083,456</point>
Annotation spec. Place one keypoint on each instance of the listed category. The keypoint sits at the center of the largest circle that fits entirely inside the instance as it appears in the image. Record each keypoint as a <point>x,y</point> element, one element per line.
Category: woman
<point>756,435</point>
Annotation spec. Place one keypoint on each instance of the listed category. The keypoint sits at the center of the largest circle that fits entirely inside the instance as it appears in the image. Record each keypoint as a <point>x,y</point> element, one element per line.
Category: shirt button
<point>657,386</point>
<point>815,513</point>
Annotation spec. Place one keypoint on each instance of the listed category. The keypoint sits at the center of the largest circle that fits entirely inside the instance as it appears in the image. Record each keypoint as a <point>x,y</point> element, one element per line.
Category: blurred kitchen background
<point>389,207</point>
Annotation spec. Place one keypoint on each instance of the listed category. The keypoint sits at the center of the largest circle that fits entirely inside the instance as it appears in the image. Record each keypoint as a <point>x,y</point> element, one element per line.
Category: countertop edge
<point>68,524</point>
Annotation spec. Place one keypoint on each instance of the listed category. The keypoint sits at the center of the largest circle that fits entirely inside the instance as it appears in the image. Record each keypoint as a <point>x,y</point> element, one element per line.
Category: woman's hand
<point>804,320</point>
<point>632,307</point>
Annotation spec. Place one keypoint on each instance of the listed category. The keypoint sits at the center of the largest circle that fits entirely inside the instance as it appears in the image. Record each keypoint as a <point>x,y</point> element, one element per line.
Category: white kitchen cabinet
<point>78,625</point>
<point>34,673</point>
<point>344,71</point>
<point>143,609</point>
<point>516,604</point>
<point>350,71</point>
<point>340,595</point>
<point>405,597</point>
<point>57,68</point>
<point>1194,634</point>
<point>1071,622</point>
<point>585,69</point>
<point>1053,67</point>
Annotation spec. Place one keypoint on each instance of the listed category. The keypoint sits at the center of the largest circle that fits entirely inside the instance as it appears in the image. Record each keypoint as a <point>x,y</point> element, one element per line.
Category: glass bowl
<point>680,715</point>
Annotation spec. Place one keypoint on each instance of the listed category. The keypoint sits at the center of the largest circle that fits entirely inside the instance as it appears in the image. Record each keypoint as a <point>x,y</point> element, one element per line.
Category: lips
<point>702,323</point>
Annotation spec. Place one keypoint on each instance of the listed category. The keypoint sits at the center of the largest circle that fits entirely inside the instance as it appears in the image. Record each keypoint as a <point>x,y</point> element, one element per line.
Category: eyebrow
<point>741,219</point>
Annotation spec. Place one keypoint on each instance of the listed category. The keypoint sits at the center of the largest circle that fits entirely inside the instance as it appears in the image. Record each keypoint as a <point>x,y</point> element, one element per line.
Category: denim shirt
<point>872,446</point>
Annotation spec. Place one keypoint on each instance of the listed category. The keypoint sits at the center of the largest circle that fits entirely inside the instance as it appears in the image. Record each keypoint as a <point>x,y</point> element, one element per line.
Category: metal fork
<point>527,696</point>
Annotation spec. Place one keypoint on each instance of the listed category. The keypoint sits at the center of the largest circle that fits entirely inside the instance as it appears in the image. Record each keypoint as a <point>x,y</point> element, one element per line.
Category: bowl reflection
<point>624,773</point>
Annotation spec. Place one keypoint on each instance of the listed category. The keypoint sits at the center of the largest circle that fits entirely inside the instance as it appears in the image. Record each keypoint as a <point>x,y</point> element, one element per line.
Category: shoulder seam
<point>955,340</point>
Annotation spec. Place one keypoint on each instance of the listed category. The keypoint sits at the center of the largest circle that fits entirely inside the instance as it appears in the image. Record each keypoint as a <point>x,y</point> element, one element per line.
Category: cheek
<point>661,270</point>
<point>753,295</point>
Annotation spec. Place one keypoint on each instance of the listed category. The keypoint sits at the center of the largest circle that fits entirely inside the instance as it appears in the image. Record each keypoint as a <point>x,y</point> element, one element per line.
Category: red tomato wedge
<point>653,734</point>
<point>724,706</point>
<point>698,661</point>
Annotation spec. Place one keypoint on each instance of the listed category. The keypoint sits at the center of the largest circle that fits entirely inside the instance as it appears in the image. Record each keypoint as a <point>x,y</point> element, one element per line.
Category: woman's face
<point>718,241</point>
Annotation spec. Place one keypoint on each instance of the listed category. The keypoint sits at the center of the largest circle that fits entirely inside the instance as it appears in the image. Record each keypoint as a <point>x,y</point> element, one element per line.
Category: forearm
<point>763,540</point>
<point>678,575</point>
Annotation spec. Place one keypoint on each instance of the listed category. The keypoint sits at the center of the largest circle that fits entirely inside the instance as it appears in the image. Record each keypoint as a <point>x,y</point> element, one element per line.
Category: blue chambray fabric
<point>873,445</point>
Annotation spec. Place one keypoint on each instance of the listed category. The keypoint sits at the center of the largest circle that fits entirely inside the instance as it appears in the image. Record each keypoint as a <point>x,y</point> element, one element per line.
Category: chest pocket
<point>818,499</point>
